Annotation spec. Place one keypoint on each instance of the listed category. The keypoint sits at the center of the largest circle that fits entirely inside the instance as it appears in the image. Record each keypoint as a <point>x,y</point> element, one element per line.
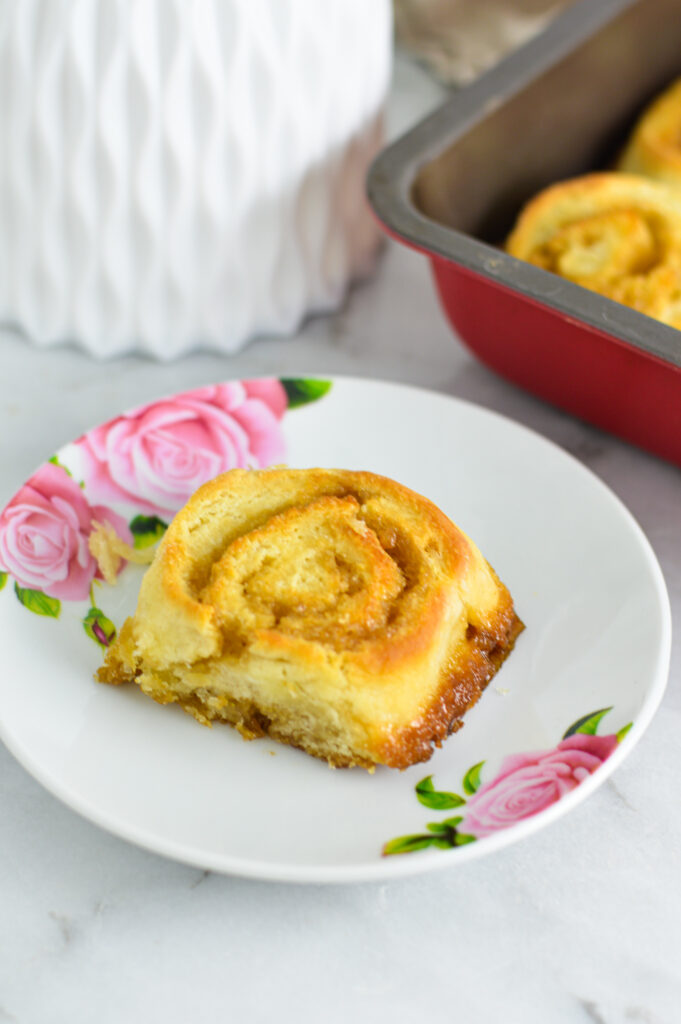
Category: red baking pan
<point>453,185</point>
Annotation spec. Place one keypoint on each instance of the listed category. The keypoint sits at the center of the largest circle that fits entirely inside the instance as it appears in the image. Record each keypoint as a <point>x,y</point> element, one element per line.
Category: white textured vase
<point>176,173</point>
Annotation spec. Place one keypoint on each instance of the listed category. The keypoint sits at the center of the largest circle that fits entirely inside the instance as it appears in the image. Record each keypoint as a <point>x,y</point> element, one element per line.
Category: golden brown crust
<point>337,611</point>
<point>615,234</point>
<point>461,688</point>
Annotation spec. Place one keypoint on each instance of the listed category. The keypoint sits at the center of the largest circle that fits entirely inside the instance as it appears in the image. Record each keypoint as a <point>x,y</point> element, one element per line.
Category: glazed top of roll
<point>350,562</point>
<point>616,234</point>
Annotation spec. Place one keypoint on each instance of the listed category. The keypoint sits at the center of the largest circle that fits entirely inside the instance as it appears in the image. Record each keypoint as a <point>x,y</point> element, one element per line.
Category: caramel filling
<point>319,571</point>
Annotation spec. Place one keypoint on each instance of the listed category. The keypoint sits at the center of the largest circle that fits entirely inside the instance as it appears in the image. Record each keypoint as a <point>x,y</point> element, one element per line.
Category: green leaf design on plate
<point>55,462</point>
<point>623,732</point>
<point>37,602</point>
<point>471,780</point>
<point>441,834</point>
<point>146,530</point>
<point>303,390</point>
<point>3,579</point>
<point>452,822</point>
<point>444,827</point>
<point>441,843</point>
<point>587,725</point>
<point>433,798</point>
<point>408,844</point>
<point>99,628</point>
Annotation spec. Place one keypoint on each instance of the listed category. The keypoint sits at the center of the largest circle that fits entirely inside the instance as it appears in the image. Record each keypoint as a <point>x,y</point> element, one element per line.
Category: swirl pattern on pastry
<point>616,234</point>
<point>336,611</point>
<point>654,147</point>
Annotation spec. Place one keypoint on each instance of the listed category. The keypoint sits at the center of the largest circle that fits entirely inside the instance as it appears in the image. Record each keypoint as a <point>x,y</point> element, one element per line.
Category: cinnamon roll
<point>616,234</point>
<point>335,611</point>
<point>654,148</point>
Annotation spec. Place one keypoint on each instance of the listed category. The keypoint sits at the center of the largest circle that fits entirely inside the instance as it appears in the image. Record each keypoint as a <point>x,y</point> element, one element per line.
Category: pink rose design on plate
<point>156,456</point>
<point>44,535</point>
<point>525,785</point>
<point>528,783</point>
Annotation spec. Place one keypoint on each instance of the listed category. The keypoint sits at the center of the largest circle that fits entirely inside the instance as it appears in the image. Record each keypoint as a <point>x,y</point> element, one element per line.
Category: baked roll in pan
<point>616,234</point>
<point>654,148</point>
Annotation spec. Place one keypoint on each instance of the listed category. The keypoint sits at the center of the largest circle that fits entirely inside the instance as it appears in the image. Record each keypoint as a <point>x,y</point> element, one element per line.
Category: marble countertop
<point>579,924</point>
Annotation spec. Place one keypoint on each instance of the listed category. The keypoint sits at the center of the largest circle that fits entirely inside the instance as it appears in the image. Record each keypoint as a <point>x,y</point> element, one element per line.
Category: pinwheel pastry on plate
<point>336,611</point>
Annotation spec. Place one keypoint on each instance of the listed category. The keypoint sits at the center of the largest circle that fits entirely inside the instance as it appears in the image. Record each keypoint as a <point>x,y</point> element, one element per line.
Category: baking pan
<point>452,187</point>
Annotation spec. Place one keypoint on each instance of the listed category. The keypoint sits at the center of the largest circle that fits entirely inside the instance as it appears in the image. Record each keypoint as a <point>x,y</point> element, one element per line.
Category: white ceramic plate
<point>593,658</point>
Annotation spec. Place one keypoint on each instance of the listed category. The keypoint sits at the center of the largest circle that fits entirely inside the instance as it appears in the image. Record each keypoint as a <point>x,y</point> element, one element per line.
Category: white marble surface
<point>580,923</point>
